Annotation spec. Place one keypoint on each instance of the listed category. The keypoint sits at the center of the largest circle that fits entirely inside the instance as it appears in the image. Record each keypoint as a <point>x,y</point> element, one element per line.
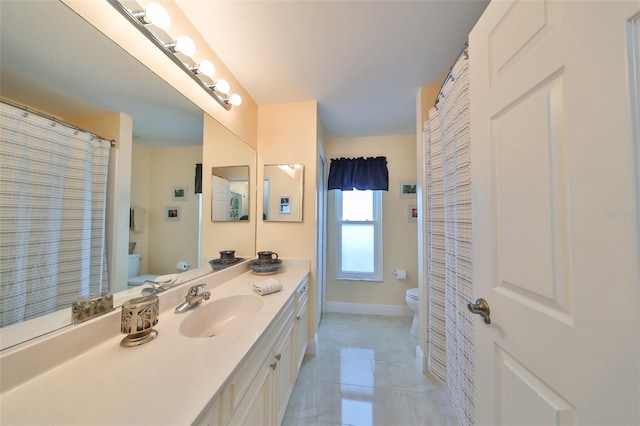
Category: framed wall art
<point>408,189</point>
<point>179,193</point>
<point>173,213</point>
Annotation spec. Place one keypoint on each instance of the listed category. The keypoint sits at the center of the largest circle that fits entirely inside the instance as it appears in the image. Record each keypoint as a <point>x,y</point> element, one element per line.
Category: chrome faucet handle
<point>193,291</point>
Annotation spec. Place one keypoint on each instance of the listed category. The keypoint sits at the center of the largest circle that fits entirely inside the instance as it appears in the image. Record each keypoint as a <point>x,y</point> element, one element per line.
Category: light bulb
<point>235,99</point>
<point>185,45</point>
<point>206,68</point>
<point>222,86</point>
<point>157,15</point>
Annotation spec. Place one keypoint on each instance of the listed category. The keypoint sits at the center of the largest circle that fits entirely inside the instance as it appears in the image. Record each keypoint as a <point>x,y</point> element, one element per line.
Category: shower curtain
<point>448,267</point>
<point>53,182</point>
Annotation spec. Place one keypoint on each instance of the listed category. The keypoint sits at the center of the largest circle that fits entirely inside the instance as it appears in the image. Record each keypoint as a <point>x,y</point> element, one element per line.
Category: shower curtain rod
<point>55,120</point>
<point>465,52</point>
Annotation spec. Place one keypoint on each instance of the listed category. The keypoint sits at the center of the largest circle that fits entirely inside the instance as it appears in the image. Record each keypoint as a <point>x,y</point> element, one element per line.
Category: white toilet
<point>412,302</point>
<point>134,279</point>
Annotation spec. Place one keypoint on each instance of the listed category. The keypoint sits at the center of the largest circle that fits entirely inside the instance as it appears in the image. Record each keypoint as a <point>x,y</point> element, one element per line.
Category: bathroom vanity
<point>242,375</point>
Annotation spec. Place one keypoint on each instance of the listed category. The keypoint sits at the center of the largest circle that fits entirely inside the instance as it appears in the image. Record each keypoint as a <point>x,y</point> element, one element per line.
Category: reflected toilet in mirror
<point>133,279</point>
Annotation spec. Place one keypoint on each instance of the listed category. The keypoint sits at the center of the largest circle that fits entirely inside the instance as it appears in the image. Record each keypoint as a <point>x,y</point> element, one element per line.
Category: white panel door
<point>219,198</point>
<point>552,169</point>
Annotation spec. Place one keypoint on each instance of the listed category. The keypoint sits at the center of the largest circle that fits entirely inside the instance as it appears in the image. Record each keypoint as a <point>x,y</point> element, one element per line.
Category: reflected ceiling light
<point>154,14</point>
<point>205,68</point>
<point>184,45</point>
<point>235,99</point>
<point>158,16</point>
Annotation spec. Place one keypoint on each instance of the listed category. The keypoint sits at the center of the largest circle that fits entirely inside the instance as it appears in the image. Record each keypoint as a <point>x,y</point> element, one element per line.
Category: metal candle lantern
<point>139,315</point>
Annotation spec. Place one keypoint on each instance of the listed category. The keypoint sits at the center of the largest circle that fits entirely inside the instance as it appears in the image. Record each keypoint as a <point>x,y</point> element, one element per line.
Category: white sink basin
<point>213,318</point>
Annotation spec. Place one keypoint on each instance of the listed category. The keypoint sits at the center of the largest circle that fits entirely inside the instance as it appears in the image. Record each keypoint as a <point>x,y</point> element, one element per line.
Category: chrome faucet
<point>192,299</point>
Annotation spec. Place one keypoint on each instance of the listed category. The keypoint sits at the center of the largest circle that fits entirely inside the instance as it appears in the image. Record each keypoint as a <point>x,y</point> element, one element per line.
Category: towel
<point>168,279</point>
<point>137,219</point>
<point>267,286</point>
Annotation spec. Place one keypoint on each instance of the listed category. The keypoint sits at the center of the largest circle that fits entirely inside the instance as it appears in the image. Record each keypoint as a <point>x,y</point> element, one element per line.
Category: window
<point>359,235</point>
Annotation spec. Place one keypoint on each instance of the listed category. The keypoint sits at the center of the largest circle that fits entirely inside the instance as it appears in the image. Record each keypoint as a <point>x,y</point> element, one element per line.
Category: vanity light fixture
<point>235,99</point>
<point>156,15</point>
<point>205,68</point>
<point>184,45</point>
<point>222,86</point>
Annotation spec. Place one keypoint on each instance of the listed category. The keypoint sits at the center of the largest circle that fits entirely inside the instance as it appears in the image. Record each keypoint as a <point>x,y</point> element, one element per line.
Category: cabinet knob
<point>273,365</point>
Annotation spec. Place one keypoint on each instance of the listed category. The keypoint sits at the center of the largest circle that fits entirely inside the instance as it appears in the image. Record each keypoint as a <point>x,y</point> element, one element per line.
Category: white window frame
<point>377,274</point>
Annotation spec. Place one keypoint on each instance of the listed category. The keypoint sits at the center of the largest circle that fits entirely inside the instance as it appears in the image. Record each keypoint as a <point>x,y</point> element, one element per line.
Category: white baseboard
<point>369,309</point>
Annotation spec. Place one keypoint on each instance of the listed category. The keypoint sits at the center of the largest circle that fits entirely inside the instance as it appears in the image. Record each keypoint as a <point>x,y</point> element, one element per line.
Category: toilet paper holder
<point>401,274</point>
<point>182,265</point>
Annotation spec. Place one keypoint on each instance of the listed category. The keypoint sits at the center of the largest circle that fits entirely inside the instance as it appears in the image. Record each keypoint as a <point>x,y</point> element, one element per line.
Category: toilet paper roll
<point>401,274</point>
<point>182,266</point>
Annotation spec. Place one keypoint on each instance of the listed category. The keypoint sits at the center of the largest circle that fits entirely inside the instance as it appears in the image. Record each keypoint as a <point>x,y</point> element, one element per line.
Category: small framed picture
<point>408,189</point>
<point>285,206</point>
<point>412,213</point>
<point>179,193</point>
<point>173,213</point>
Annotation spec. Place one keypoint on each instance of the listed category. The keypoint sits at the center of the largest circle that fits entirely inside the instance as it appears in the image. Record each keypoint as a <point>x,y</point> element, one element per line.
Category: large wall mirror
<point>282,192</point>
<point>53,61</point>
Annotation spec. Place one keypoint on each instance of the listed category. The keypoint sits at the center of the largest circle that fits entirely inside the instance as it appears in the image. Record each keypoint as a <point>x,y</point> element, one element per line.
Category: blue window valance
<point>359,173</point>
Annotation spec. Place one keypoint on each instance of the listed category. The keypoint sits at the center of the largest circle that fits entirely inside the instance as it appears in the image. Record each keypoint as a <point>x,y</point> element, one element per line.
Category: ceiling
<point>362,61</point>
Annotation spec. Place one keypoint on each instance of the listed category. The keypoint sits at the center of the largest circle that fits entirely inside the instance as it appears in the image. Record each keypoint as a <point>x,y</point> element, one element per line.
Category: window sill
<point>358,279</point>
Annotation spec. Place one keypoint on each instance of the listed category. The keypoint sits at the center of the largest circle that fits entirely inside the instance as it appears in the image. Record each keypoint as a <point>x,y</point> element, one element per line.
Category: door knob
<point>481,307</point>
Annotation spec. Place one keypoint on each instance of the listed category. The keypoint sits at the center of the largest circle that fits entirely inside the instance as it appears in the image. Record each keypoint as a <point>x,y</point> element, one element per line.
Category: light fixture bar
<point>223,101</point>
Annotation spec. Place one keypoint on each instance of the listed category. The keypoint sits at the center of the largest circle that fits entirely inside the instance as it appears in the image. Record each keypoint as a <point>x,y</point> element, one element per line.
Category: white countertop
<point>167,381</point>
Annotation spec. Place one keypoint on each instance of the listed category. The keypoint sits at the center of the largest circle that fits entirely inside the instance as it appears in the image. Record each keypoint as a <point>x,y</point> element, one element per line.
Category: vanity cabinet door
<point>256,406</point>
<point>211,416</point>
<point>302,332</point>
<point>285,371</point>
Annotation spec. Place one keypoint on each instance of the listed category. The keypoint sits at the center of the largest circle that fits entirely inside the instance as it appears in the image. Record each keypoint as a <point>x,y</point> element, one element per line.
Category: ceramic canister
<point>267,256</point>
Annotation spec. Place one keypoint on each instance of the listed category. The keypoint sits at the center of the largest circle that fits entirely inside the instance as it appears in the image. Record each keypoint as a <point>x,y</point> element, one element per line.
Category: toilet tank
<point>134,265</point>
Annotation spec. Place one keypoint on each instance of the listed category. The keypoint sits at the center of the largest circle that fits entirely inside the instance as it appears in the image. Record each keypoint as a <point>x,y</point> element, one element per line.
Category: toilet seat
<point>140,279</point>
<point>413,293</point>
<point>412,302</point>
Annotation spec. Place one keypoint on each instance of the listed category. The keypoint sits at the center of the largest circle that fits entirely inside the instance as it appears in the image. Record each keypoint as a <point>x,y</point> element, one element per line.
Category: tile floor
<point>365,373</point>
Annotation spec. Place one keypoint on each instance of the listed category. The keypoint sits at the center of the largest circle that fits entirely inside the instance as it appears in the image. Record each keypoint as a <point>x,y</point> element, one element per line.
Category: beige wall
<point>399,234</point>
<point>288,134</point>
<point>155,172</point>
<point>141,200</point>
<point>222,148</point>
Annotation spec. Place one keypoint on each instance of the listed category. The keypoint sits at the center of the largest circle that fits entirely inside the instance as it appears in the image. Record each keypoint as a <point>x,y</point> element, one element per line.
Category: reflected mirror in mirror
<point>283,191</point>
<point>230,193</point>
<point>97,78</point>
